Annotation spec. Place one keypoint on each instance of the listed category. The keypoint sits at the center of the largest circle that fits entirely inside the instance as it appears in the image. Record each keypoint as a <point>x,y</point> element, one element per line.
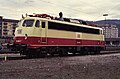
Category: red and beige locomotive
<point>36,36</point>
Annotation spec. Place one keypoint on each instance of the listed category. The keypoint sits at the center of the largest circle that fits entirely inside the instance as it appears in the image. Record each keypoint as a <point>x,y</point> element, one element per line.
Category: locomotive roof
<point>62,22</point>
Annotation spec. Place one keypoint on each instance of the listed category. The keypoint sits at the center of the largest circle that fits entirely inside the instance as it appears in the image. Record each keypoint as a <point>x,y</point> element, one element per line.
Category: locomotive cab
<point>27,32</point>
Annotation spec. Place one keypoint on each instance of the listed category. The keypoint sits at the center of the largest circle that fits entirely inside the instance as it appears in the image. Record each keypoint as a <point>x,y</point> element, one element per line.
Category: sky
<point>91,10</point>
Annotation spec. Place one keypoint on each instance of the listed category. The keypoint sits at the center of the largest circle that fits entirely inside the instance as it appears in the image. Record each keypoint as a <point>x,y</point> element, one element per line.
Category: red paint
<point>35,42</point>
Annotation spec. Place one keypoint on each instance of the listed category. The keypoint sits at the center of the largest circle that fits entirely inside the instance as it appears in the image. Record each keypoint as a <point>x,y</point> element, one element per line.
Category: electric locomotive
<point>36,36</point>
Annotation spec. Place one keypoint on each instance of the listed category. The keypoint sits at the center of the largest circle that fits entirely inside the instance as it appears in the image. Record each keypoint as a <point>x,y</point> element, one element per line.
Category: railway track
<point>13,56</point>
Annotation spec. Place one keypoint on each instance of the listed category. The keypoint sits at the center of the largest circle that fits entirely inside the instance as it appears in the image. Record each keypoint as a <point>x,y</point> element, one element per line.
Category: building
<point>7,28</point>
<point>110,31</point>
<point>1,18</point>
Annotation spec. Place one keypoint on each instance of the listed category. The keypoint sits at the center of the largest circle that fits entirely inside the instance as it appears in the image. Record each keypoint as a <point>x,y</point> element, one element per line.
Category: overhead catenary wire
<point>76,10</point>
<point>67,7</point>
<point>71,10</point>
<point>108,11</point>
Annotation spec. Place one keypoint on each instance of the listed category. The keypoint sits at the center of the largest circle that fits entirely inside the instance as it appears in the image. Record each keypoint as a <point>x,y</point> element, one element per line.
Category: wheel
<point>51,51</point>
<point>74,53</point>
<point>29,53</point>
<point>84,51</point>
<point>32,53</point>
<point>43,52</point>
<point>63,52</point>
<point>97,52</point>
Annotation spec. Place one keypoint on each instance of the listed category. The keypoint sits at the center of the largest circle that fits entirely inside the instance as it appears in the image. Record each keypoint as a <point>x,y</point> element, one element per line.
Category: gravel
<point>74,67</point>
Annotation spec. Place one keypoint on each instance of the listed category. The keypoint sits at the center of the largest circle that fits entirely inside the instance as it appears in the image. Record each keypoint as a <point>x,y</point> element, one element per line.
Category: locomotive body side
<point>51,36</point>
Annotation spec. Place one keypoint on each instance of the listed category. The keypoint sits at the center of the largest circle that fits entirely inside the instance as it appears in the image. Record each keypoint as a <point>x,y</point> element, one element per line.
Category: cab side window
<point>43,24</point>
<point>37,24</point>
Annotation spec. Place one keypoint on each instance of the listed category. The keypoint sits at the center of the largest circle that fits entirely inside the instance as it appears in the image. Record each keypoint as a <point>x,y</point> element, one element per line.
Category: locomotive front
<point>27,34</point>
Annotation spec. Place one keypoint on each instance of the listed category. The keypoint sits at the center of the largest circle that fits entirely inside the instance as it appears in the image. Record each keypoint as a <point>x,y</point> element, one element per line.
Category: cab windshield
<point>28,23</point>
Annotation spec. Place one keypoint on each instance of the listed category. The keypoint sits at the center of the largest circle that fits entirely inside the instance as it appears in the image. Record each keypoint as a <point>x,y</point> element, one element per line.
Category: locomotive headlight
<point>26,36</point>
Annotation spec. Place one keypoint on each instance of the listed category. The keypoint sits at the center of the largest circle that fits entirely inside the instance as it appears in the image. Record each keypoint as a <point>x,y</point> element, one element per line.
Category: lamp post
<point>105,15</point>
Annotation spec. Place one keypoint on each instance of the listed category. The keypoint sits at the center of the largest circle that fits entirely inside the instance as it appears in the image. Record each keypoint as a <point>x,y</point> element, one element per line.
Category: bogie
<point>61,51</point>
